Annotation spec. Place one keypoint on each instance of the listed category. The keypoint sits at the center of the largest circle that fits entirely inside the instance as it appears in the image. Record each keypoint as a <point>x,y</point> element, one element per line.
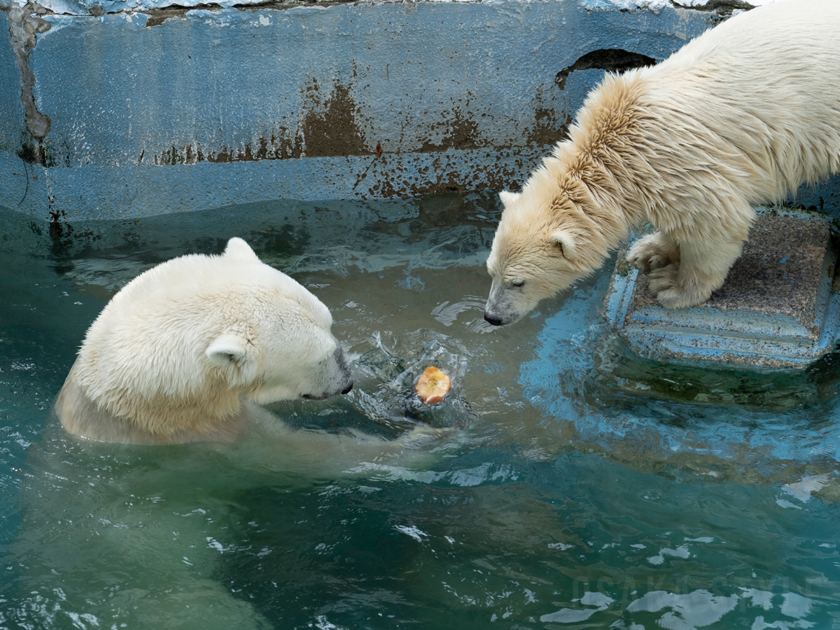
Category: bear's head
<point>179,352</point>
<point>285,351</point>
<point>550,234</point>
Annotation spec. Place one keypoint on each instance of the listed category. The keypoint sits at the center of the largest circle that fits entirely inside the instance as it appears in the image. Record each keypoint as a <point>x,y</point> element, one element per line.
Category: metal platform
<point>778,309</point>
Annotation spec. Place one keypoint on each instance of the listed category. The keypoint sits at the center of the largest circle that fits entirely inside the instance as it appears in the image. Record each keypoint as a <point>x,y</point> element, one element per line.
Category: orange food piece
<point>432,386</point>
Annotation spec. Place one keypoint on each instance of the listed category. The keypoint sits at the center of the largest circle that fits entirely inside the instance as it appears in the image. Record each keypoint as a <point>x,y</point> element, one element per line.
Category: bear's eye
<point>517,282</point>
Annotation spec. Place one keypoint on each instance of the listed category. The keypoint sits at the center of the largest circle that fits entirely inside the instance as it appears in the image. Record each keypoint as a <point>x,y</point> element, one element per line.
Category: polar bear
<point>185,351</point>
<point>742,115</point>
<point>128,535</point>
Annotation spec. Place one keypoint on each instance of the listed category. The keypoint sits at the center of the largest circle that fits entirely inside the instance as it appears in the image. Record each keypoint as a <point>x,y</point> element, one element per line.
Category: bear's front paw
<point>650,253</point>
<point>671,292</point>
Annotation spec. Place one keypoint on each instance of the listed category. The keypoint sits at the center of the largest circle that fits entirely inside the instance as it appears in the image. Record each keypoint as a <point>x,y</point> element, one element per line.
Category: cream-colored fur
<point>742,115</point>
<point>184,351</point>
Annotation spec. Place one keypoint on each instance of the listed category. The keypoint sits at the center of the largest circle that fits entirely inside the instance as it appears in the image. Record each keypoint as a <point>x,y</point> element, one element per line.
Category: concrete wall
<point>126,109</point>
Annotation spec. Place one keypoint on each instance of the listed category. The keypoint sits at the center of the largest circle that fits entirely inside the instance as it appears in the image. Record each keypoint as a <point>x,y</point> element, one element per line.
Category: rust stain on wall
<point>272,148</point>
<point>549,127</point>
<point>331,129</point>
<point>446,174</point>
<point>330,124</point>
<point>461,132</point>
<point>327,127</point>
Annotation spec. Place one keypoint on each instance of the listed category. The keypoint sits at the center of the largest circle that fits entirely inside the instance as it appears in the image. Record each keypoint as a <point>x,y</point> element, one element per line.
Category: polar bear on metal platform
<point>742,115</point>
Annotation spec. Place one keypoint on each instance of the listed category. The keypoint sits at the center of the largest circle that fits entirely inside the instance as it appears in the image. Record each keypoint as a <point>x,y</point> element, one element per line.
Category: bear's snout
<point>493,320</point>
<point>341,377</point>
<point>347,375</point>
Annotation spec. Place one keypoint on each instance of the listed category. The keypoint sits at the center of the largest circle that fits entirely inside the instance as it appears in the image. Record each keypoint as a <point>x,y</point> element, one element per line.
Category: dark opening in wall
<point>612,59</point>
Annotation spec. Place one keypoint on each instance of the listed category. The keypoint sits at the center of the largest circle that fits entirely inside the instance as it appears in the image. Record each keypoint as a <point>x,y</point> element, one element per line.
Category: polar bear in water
<point>125,529</point>
<point>182,353</point>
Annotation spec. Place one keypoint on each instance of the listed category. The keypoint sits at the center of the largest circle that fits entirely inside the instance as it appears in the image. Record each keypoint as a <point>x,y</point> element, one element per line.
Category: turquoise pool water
<point>571,485</point>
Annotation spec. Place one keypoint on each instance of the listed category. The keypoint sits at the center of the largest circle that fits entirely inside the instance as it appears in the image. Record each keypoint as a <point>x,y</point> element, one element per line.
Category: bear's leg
<point>702,269</point>
<point>653,252</point>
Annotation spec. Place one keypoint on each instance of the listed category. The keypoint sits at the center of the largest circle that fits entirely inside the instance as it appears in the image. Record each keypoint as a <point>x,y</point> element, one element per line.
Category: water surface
<point>571,485</point>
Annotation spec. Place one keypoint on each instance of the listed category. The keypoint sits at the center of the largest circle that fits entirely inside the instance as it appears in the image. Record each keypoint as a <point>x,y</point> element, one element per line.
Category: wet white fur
<point>179,354</point>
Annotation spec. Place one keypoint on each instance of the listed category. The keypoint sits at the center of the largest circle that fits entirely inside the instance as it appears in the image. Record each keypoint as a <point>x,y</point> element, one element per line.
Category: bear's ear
<point>566,242</point>
<point>508,198</point>
<point>239,250</point>
<point>233,354</point>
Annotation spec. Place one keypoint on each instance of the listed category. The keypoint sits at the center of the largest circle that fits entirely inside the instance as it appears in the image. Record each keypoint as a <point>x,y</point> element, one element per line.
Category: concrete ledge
<point>779,307</point>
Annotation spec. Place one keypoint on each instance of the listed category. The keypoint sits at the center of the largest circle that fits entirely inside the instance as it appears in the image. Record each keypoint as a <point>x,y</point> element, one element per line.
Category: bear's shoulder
<point>80,415</point>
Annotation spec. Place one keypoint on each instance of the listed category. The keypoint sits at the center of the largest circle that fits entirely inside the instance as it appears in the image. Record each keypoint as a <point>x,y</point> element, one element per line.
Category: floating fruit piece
<point>432,386</point>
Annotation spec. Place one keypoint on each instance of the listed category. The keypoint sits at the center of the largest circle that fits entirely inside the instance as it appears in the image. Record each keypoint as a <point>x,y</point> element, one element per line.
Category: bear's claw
<point>670,290</point>
<point>652,252</point>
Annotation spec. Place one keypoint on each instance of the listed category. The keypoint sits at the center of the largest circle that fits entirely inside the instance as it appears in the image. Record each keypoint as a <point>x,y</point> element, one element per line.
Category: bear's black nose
<point>347,390</point>
<point>492,319</point>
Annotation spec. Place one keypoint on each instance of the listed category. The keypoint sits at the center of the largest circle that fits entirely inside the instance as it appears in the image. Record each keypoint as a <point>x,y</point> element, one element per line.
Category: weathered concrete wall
<point>120,109</point>
<point>12,119</point>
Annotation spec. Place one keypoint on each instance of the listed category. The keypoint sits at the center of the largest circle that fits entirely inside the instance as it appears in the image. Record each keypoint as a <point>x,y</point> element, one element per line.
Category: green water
<point>576,487</point>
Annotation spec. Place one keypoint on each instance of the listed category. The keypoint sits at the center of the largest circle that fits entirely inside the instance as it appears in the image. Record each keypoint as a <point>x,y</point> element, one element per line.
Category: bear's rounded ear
<point>233,354</point>
<point>566,242</point>
<point>508,198</point>
<point>239,250</point>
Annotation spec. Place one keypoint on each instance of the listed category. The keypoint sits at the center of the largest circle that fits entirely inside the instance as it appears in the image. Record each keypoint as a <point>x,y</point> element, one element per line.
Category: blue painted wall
<point>155,109</point>
<point>167,110</point>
